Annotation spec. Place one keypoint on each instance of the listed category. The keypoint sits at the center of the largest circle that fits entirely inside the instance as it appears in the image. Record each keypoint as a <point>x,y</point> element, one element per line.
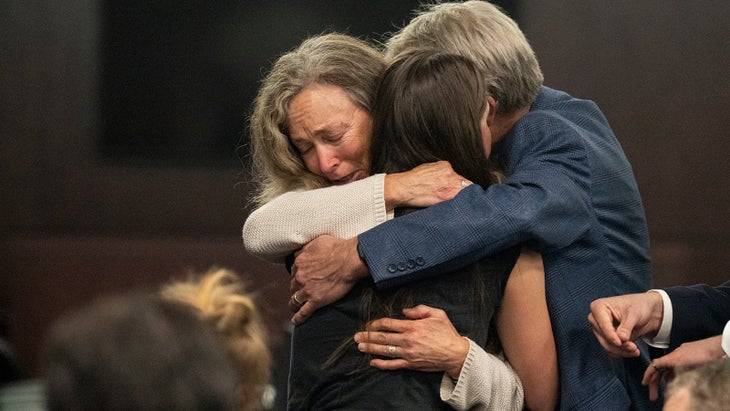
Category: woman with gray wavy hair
<point>337,60</point>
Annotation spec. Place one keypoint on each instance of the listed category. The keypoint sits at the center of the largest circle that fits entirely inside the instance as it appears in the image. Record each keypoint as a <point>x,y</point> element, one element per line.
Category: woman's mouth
<point>357,175</point>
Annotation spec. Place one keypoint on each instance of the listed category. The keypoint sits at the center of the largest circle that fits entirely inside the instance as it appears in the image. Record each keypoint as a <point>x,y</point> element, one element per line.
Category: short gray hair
<point>483,32</point>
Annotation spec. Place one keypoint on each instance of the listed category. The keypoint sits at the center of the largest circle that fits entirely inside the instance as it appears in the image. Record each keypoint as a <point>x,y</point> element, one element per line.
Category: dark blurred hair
<point>428,107</point>
<point>137,353</point>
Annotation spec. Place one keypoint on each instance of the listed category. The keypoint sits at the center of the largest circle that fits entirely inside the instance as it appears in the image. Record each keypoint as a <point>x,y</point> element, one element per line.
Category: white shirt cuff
<point>661,339</point>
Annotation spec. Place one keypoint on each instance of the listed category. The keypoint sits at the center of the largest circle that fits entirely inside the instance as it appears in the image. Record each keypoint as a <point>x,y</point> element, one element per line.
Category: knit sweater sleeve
<point>486,382</point>
<point>291,220</point>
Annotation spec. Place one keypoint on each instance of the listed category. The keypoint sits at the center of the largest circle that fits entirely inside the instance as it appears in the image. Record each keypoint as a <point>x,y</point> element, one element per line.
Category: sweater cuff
<point>378,190</point>
<point>454,392</point>
<point>486,382</point>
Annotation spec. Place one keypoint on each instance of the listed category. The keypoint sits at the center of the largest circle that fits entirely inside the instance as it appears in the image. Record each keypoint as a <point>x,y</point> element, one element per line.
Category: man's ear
<point>492,110</point>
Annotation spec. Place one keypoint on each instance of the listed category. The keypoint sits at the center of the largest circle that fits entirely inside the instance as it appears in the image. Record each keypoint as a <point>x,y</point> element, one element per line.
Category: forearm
<point>486,382</point>
<point>476,223</point>
<point>422,186</point>
<point>524,328</point>
<point>286,223</point>
<point>545,200</point>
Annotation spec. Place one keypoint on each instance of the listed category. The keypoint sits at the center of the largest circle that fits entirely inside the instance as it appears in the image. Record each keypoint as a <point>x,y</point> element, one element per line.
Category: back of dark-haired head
<point>429,107</point>
<point>137,353</point>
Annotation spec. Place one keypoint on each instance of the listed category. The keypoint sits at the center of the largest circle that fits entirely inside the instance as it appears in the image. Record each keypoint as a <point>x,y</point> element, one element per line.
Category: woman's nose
<point>327,159</point>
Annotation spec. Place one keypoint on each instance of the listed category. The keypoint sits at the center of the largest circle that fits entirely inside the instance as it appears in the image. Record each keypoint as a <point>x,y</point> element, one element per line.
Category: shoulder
<point>556,119</point>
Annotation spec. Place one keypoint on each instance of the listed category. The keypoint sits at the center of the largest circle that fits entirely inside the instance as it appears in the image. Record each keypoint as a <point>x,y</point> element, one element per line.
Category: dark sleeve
<point>699,311</point>
<point>545,202</point>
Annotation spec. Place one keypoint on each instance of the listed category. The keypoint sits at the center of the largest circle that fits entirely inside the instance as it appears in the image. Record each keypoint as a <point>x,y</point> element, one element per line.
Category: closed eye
<point>334,139</point>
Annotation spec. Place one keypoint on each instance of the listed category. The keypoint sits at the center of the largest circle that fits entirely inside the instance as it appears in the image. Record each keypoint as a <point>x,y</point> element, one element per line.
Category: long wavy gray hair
<point>337,59</point>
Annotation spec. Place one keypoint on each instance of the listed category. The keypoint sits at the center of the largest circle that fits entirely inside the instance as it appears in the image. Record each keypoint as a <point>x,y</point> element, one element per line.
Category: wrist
<point>390,191</point>
<point>398,190</point>
<point>359,268</point>
<point>462,351</point>
<point>656,312</point>
<point>658,325</point>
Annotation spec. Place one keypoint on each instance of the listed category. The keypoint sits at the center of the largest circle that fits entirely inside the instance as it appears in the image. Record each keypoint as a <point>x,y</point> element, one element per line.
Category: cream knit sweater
<point>291,220</point>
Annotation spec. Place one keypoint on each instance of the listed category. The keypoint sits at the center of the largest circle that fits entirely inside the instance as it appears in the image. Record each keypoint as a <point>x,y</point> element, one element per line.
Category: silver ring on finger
<point>392,349</point>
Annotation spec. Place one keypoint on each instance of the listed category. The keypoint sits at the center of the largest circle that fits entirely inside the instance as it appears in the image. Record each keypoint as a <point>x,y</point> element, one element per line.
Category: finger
<point>370,348</point>
<point>389,351</point>
<point>654,373</point>
<point>393,364</point>
<point>630,346</point>
<point>603,320</point>
<point>296,301</point>
<point>371,337</point>
<point>419,312</point>
<point>388,325</point>
<point>627,349</point>
<point>373,342</point>
<point>626,326</point>
<point>630,349</point>
<point>662,363</point>
<point>654,384</point>
<point>648,374</point>
<point>304,312</point>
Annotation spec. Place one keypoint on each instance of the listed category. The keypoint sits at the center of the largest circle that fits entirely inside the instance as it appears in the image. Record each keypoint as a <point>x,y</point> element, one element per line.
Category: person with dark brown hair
<point>137,352</point>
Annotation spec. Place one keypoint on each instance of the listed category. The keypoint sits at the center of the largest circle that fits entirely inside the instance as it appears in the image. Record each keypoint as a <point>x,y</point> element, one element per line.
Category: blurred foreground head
<point>702,388</point>
<point>136,352</point>
<point>221,298</point>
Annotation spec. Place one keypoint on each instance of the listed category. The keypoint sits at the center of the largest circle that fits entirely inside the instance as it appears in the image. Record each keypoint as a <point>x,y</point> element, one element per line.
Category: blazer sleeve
<point>699,311</point>
<point>545,201</point>
<point>291,220</point>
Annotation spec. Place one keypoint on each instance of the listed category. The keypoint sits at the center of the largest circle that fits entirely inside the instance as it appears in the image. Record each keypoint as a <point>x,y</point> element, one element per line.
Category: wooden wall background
<point>73,229</point>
